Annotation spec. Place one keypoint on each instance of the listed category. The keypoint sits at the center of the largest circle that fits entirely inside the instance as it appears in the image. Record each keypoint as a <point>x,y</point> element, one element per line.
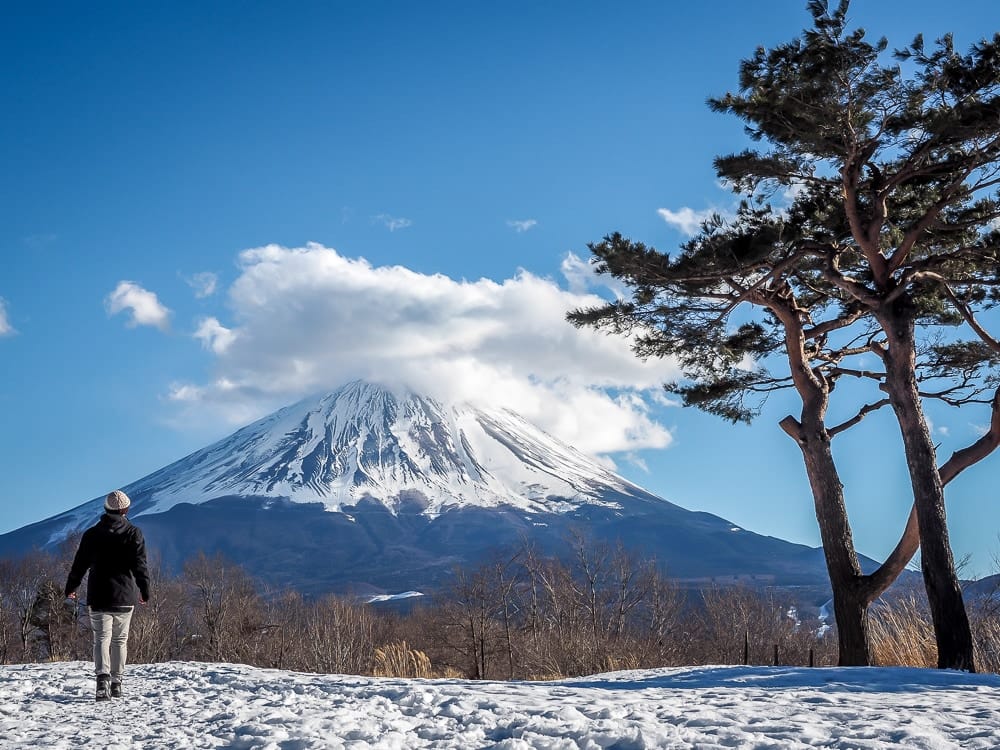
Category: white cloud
<point>942,430</point>
<point>980,429</point>
<point>638,461</point>
<point>687,220</point>
<point>6,329</point>
<point>521,225</point>
<point>309,319</point>
<point>143,305</point>
<point>582,278</point>
<point>579,273</point>
<point>186,392</point>
<point>392,222</point>
<point>204,284</point>
<point>213,335</point>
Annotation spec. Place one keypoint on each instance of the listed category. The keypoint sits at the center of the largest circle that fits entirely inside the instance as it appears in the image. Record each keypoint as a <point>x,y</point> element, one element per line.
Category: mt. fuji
<point>367,441</point>
<point>375,488</point>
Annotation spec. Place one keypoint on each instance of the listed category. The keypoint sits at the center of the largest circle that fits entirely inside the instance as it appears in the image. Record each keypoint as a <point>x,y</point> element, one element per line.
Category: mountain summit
<point>379,488</point>
<point>394,447</point>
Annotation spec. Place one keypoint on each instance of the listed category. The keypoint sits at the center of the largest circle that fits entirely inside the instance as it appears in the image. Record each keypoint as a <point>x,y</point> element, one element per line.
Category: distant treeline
<point>521,616</point>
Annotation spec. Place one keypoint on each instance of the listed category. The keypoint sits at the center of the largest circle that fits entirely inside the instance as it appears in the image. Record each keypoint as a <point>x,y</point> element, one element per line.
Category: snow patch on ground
<point>174,706</point>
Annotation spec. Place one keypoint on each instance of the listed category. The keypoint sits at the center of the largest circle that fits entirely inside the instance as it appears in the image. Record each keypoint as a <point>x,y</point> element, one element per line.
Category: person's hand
<point>142,601</point>
<point>71,595</point>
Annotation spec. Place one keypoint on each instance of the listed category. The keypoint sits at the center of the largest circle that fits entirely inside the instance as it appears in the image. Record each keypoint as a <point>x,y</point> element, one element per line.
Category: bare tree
<point>228,605</point>
<point>342,636</point>
<point>21,583</point>
<point>161,629</point>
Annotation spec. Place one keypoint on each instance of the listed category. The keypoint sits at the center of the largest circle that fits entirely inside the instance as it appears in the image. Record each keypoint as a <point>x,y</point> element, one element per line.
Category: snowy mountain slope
<point>372,489</point>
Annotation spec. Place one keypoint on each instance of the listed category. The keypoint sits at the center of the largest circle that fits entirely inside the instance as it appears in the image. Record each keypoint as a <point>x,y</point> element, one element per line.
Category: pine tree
<point>888,250</point>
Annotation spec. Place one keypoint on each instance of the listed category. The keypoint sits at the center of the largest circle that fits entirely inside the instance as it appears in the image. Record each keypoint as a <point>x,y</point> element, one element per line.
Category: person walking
<point>114,552</point>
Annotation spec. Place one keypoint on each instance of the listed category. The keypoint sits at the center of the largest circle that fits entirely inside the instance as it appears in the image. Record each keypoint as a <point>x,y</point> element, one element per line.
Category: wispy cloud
<point>142,305</point>
<point>213,335</point>
<point>204,284</point>
<point>686,220</point>
<point>638,461</point>
<point>579,273</point>
<point>6,329</point>
<point>980,429</point>
<point>582,278</point>
<point>392,223</point>
<point>521,225</point>
<point>308,321</point>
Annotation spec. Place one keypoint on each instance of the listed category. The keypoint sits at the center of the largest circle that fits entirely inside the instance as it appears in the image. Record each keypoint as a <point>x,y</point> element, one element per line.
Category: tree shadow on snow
<point>832,679</point>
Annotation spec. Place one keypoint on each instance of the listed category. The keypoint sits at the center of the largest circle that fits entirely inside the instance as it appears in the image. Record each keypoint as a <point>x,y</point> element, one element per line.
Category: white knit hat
<point>117,501</point>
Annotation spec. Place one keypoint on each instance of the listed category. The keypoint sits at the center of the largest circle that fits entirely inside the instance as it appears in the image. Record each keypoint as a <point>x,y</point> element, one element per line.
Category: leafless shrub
<point>341,637</point>
<point>161,629</point>
<point>229,625</point>
<point>527,615</point>
<point>738,624</point>
<point>37,627</point>
<point>521,615</point>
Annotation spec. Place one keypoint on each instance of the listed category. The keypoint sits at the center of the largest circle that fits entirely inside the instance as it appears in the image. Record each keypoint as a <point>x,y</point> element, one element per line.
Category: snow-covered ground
<point>187,705</point>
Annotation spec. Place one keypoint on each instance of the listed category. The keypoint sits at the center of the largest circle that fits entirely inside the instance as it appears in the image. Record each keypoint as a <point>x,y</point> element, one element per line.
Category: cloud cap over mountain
<point>305,319</point>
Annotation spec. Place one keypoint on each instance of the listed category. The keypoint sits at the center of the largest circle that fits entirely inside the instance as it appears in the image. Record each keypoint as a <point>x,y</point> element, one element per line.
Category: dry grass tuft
<point>399,660</point>
<point>902,634</point>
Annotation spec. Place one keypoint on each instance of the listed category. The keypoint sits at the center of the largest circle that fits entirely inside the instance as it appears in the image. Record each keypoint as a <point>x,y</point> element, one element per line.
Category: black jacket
<point>114,552</point>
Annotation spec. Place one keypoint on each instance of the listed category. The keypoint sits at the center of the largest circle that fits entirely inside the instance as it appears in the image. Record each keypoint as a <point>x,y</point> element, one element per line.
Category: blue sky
<point>210,211</point>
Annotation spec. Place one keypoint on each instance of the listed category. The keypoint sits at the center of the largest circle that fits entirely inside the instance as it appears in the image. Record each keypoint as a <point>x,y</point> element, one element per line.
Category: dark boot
<point>103,687</point>
<point>116,689</point>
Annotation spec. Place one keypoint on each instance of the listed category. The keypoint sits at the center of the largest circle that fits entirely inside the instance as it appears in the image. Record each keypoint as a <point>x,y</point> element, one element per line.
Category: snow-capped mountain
<point>370,486</point>
<point>396,447</point>
<point>366,440</point>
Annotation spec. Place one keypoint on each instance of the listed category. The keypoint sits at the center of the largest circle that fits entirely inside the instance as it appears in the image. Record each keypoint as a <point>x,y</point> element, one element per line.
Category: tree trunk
<point>853,628</point>
<point>849,604</point>
<point>951,622</point>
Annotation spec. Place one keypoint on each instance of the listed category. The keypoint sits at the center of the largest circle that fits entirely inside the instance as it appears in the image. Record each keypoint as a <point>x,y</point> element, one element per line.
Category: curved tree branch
<point>856,290</point>
<point>966,313</point>
<point>909,541</point>
<point>864,412</point>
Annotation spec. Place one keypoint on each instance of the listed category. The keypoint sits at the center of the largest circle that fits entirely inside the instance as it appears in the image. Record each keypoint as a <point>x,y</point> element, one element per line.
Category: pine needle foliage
<point>893,179</point>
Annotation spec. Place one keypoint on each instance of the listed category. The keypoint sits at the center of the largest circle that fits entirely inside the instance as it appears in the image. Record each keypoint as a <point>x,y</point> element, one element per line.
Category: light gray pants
<point>110,642</point>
